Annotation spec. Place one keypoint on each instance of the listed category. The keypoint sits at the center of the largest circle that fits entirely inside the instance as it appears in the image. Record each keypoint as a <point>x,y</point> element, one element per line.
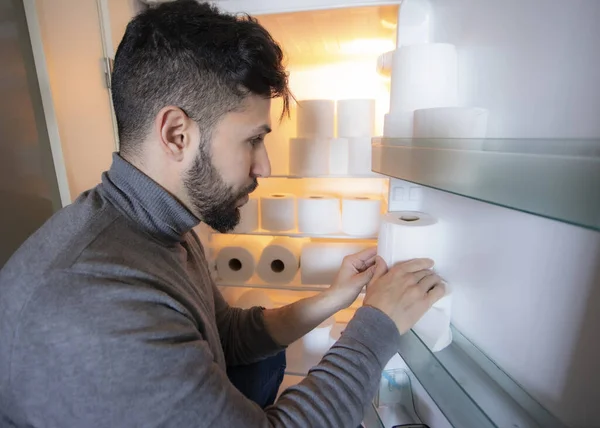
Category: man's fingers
<point>364,277</point>
<point>380,269</point>
<point>428,282</point>
<point>418,276</point>
<point>362,260</point>
<point>436,293</point>
<point>415,265</point>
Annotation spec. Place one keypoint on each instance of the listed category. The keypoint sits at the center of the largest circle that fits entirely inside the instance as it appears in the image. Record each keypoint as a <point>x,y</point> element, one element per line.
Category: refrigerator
<point>520,203</point>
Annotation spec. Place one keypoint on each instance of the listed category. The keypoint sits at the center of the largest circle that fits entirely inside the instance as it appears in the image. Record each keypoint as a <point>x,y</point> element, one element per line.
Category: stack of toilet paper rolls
<point>318,214</point>
<point>317,151</point>
<point>315,214</point>
<point>406,235</point>
<point>278,260</point>
<point>424,95</point>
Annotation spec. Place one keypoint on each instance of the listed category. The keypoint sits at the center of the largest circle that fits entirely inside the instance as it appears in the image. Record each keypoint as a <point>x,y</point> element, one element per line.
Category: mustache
<point>251,188</point>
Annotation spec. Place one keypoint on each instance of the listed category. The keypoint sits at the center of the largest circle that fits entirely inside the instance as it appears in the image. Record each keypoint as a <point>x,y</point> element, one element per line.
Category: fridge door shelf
<point>553,178</point>
<point>360,177</point>
<point>469,388</point>
<point>296,234</point>
<point>257,284</point>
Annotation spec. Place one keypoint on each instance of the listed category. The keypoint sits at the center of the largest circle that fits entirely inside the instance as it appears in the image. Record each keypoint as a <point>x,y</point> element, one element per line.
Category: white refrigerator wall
<point>528,289</point>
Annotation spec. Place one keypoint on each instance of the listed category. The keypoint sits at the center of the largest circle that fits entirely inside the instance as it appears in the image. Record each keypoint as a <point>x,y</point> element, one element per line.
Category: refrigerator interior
<point>527,289</point>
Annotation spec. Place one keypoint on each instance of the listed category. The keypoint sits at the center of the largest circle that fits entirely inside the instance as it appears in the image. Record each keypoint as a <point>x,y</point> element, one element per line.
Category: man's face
<point>225,170</point>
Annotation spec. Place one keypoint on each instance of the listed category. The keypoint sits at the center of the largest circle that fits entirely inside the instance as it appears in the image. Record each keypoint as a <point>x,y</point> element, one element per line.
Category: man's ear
<point>175,132</point>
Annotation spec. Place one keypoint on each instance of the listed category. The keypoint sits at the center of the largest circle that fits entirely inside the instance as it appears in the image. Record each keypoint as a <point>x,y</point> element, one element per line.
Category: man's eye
<point>256,141</point>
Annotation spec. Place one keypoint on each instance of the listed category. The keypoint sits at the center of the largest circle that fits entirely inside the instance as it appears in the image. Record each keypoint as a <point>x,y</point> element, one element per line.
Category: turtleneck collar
<point>143,200</point>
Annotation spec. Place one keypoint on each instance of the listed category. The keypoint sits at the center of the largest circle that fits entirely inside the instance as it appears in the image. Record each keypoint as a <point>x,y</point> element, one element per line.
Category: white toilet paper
<point>237,261</point>
<point>253,298</point>
<point>319,215</point>
<point>339,150</point>
<point>320,262</point>
<point>248,217</point>
<point>359,156</point>
<point>318,340</point>
<point>407,235</point>
<point>384,63</point>
<point>361,215</point>
<point>398,124</point>
<point>424,76</point>
<point>278,212</point>
<point>356,118</point>
<point>280,260</point>
<point>450,122</point>
<point>309,156</point>
<point>316,118</point>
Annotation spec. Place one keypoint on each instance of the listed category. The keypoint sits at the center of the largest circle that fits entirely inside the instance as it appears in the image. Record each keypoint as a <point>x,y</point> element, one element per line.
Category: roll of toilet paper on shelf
<point>359,156</point>
<point>237,261</point>
<point>338,156</point>
<point>384,63</point>
<point>248,217</point>
<point>450,122</point>
<point>398,124</point>
<point>309,156</point>
<point>321,261</point>
<point>361,215</point>
<point>319,214</point>
<point>278,212</point>
<point>253,298</point>
<point>318,340</point>
<point>280,260</point>
<point>424,76</point>
<point>356,118</point>
<point>406,235</point>
<point>315,118</point>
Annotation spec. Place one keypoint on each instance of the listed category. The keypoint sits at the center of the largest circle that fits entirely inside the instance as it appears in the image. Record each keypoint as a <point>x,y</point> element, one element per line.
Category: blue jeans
<point>259,381</point>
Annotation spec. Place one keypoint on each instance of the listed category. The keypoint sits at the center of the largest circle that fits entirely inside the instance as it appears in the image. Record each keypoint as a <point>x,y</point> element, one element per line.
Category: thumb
<point>379,269</point>
<point>363,278</point>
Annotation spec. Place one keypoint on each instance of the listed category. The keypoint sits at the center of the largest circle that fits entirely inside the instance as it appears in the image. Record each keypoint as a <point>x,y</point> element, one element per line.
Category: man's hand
<point>356,272</point>
<point>405,292</point>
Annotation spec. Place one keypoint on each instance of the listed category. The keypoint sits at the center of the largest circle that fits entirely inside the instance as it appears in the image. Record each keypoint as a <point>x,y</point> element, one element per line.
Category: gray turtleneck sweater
<point>109,318</point>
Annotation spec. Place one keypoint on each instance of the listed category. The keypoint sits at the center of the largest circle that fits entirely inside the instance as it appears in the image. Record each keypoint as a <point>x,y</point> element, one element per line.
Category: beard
<point>213,200</point>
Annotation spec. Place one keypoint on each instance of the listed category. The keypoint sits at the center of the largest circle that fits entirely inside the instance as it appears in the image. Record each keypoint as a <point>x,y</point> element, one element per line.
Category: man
<point>108,315</point>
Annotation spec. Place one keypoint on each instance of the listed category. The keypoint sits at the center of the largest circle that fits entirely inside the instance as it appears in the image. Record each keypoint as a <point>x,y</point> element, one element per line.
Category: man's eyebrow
<point>262,129</point>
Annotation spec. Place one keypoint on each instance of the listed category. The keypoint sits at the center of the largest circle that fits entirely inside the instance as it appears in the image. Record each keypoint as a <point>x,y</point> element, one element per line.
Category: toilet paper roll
<point>384,63</point>
<point>319,215</point>
<point>339,150</point>
<point>424,76</point>
<point>254,298</point>
<point>280,260</point>
<point>450,122</point>
<point>359,156</point>
<point>361,215</point>
<point>320,262</point>
<point>248,217</point>
<point>316,118</point>
<point>237,261</point>
<point>406,235</point>
<point>356,118</point>
<point>309,156</point>
<point>398,124</point>
<point>278,212</point>
<point>318,340</point>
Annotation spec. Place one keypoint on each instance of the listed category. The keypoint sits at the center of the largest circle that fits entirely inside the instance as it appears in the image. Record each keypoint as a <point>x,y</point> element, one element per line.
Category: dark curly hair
<point>193,56</point>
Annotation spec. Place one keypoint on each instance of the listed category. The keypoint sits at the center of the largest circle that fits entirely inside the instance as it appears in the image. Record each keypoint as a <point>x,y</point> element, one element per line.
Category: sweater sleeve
<point>243,334</point>
<point>108,355</point>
